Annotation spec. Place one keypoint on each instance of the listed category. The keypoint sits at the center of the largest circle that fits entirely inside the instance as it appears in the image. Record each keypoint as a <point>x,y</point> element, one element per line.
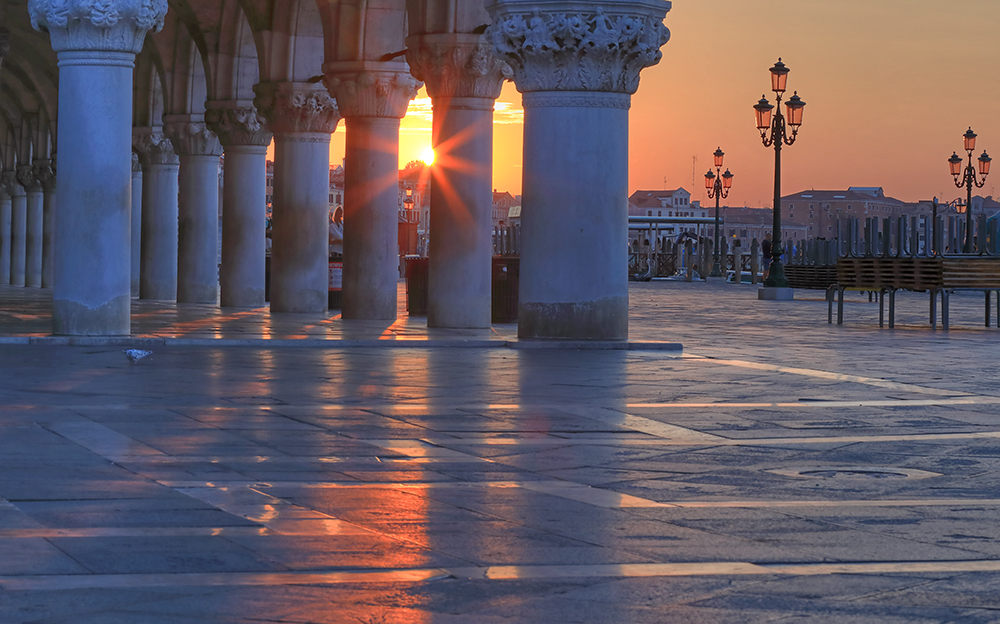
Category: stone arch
<point>148,100</point>
<point>356,30</point>
<point>290,49</point>
<point>183,71</point>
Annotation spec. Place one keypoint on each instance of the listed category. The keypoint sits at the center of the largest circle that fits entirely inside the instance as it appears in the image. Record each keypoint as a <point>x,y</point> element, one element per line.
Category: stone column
<point>577,66</point>
<point>19,227</point>
<point>372,97</point>
<point>302,117</point>
<point>245,138</point>
<point>198,210</point>
<point>463,79</point>
<point>96,43</point>
<point>46,173</point>
<point>32,183</point>
<point>7,183</point>
<point>160,167</point>
<point>136,247</point>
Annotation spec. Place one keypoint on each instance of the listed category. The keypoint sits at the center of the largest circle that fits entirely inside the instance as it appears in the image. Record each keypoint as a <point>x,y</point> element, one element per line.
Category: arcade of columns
<point>114,115</point>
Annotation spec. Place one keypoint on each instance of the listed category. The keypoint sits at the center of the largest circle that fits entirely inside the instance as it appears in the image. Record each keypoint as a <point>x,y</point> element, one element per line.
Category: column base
<point>244,298</point>
<point>605,319</point>
<point>72,318</point>
<point>771,293</point>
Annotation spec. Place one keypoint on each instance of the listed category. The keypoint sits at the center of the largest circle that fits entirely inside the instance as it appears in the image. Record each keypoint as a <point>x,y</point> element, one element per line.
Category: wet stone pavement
<point>780,469</point>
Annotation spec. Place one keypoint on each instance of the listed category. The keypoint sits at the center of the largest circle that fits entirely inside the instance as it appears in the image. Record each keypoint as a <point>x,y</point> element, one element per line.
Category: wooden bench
<point>938,275</point>
<point>811,276</point>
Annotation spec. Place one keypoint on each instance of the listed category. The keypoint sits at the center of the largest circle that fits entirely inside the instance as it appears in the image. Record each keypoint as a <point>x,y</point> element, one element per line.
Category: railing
<point>692,258</point>
<point>507,240</point>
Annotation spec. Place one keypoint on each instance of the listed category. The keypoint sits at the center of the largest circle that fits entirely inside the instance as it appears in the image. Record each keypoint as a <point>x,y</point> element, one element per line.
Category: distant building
<point>675,203</point>
<point>669,203</point>
<point>502,203</point>
<point>819,211</point>
<point>748,224</point>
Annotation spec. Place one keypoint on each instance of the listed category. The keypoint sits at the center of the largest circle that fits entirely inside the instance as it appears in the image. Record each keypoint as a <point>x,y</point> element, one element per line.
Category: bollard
<point>754,261</point>
<point>687,261</point>
<point>737,262</point>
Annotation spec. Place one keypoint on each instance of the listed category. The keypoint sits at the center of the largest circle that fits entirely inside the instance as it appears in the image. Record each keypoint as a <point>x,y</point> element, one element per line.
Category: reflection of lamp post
<point>968,178</point>
<point>774,132</point>
<point>718,185</point>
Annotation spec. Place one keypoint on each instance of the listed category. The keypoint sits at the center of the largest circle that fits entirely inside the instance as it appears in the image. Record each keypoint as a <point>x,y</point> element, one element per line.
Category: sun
<point>427,156</point>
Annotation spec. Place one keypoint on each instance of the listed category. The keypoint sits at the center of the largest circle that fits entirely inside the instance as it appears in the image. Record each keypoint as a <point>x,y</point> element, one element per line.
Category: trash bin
<point>336,282</point>
<point>506,275</point>
<point>416,285</point>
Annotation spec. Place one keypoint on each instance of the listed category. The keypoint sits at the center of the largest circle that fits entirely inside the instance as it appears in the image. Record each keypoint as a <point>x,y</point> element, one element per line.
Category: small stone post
<point>687,261</point>
<point>737,262</point>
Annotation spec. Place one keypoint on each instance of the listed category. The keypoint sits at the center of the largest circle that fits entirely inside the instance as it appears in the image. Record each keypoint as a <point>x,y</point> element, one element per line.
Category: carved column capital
<point>26,178</point>
<point>7,181</point>
<point>296,107</point>
<point>45,173</point>
<point>153,147</point>
<point>456,65</point>
<point>136,165</point>
<point>371,89</point>
<point>191,138</point>
<point>97,25</point>
<point>553,46</point>
<point>238,125</point>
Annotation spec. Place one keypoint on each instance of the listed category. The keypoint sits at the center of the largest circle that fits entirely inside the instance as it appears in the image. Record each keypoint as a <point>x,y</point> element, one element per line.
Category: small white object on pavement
<point>134,355</point>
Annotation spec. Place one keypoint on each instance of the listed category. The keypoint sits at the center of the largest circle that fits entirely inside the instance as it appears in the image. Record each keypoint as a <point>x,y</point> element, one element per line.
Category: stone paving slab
<point>779,469</point>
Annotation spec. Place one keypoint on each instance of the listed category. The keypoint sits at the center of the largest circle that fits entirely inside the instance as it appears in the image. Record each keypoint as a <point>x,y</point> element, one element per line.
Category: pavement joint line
<point>809,372</point>
<point>389,409</point>
<point>387,341</point>
<point>965,400</point>
<point>593,495</point>
<point>489,573</point>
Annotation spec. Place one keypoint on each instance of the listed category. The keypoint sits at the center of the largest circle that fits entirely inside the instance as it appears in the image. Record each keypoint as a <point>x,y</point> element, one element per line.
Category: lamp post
<point>774,132</point>
<point>718,185</point>
<point>408,203</point>
<point>968,177</point>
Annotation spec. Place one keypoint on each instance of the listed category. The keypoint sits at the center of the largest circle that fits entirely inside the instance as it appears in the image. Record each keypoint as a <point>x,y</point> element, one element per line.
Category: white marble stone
<point>34,206</point>
<point>18,234</point>
<point>6,182</point>
<point>372,97</point>
<point>302,117</point>
<point>96,44</point>
<point>160,170</point>
<point>198,210</point>
<point>136,226</point>
<point>46,173</point>
<point>577,64</point>
<point>245,137</point>
<point>463,79</point>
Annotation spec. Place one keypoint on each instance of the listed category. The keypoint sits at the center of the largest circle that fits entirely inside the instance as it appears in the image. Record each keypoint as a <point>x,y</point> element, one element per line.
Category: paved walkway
<point>780,469</point>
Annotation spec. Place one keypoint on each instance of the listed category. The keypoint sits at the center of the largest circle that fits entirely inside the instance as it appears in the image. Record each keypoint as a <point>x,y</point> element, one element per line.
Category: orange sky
<point>890,86</point>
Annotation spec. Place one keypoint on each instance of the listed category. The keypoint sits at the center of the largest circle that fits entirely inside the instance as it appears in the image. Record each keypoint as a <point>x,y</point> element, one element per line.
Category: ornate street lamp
<point>774,132</point>
<point>967,178</point>
<point>718,185</point>
<point>408,203</point>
